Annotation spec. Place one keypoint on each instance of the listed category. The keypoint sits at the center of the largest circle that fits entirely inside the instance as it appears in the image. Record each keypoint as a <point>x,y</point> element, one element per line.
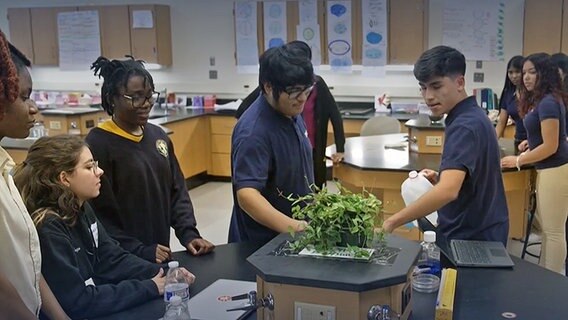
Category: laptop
<point>488,254</point>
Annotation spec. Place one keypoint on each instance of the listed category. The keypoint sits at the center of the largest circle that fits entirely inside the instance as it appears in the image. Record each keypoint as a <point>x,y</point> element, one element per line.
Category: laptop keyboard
<point>469,253</point>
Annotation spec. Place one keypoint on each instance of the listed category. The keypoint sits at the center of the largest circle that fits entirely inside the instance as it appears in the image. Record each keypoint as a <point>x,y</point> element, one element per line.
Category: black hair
<point>561,61</point>
<point>282,67</point>
<point>547,82</point>
<point>301,47</point>
<point>440,61</point>
<point>20,60</point>
<point>116,74</point>
<point>515,62</point>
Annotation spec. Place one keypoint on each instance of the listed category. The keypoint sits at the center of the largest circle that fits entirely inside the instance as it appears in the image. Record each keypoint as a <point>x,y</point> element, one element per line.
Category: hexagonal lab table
<point>349,287</point>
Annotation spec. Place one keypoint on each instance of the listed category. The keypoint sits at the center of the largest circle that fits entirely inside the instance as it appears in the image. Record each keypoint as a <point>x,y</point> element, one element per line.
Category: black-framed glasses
<point>140,101</point>
<point>295,92</point>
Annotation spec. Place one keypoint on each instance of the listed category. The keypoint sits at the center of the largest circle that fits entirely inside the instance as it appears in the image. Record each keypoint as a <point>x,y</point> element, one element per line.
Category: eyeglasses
<point>140,101</point>
<point>95,166</point>
<point>295,92</point>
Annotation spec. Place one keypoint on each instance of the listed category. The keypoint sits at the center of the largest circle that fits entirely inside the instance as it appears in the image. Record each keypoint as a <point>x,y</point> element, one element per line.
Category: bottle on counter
<point>429,260</point>
<point>176,284</point>
<point>177,310</point>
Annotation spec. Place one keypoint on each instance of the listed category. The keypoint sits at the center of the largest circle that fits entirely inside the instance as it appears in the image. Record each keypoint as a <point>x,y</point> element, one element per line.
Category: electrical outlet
<point>433,141</point>
<point>211,61</point>
<point>55,125</point>
<point>479,64</point>
<point>478,76</point>
<point>308,311</point>
<point>212,74</point>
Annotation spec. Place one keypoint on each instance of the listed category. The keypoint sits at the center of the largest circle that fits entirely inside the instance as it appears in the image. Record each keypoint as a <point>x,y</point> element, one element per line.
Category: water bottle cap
<point>429,236</point>
<point>173,264</point>
<point>175,300</point>
<point>412,174</point>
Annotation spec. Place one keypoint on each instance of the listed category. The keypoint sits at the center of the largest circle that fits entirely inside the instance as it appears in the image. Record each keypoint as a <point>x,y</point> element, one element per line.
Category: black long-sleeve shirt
<point>143,190</point>
<point>89,273</point>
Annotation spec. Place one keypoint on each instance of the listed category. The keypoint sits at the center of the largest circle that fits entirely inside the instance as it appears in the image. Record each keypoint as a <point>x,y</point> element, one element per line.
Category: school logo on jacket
<point>162,147</point>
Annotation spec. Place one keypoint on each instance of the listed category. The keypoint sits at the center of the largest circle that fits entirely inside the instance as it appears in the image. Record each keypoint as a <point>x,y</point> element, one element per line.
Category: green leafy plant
<point>336,218</point>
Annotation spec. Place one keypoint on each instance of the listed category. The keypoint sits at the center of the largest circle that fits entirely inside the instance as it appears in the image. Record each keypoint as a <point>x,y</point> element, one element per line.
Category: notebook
<point>470,253</point>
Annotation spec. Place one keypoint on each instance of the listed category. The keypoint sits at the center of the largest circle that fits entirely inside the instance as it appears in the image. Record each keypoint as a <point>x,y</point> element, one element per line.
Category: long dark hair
<point>37,178</point>
<point>547,82</point>
<point>515,62</point>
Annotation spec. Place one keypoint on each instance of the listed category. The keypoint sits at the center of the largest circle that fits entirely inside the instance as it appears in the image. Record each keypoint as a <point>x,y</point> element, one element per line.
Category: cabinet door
<point>45,35</point>
<point>21,30</point>
<point>408,30</point>
<point>543,26</point>
<point>115,30</point>
<point>153,45</point>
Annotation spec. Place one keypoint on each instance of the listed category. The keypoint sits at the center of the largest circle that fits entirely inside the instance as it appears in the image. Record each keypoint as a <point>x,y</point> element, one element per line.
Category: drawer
<point>220,143</point>
<point>222,125</point>
<point>220,165</point>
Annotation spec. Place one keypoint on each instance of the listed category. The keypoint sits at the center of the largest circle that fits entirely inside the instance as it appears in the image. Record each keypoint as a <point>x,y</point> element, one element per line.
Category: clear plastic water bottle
<point>429,260</point>
<point>176,285</point>
<point>176,310</point>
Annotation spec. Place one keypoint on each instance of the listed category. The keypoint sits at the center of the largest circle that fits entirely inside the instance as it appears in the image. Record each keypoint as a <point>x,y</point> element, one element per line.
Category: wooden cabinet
<point>115,30</point>
<point>221,130</point>
<point>153,45</point>
<point>408,30</point>
<point>543,26</point>
<point>21,30</point>
<point>191,144</point>
<point>45,35</point>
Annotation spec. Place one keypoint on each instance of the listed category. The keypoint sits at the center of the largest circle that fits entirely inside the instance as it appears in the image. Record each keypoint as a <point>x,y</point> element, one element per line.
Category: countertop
<point>390,152</point>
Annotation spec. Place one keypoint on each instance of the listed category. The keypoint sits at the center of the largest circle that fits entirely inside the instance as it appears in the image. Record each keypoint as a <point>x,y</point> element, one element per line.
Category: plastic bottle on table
<point>429,260</point>
<point>176,284</point>
<point>176,310</point>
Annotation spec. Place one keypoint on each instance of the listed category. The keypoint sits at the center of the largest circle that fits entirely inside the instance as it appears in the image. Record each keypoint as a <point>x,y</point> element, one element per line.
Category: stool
<point>532,213</point>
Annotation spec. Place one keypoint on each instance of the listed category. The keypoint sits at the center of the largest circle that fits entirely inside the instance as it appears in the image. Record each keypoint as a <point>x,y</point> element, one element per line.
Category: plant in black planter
<point>343,219</point>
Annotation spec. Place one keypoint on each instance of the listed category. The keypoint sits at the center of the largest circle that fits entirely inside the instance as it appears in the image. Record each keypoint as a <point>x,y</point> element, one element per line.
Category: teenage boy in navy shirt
<point>468,192</point>
<point>271,155</point>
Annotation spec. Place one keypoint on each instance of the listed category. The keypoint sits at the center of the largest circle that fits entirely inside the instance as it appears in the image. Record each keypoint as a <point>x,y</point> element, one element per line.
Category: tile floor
<point>213,203</point>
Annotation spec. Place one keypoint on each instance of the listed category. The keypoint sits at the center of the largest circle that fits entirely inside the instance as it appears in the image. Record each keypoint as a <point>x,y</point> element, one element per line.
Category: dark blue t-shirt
<point>548,108</point>
<point>470,145</point>
<point>509,103</point>
<point>272,154</point>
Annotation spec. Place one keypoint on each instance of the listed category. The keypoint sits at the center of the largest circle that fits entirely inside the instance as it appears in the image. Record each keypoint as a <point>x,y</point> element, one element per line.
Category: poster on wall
<point>475,28</point>
<point>308,30</point>
<point>339,43</point>
<point>275,33</point>
<point>374,13</point>
<point>245,36</point>
<point>79,39</point>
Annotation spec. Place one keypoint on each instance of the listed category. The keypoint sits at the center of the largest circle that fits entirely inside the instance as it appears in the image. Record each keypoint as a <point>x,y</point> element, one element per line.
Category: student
<point>468,192</point>
<point>23,290</point>
<point>543,106</point>
<point>508,101</point>
<point>89,272</point>
<point>143,192</point>
<point>319,109</point>
<point>271,156</point>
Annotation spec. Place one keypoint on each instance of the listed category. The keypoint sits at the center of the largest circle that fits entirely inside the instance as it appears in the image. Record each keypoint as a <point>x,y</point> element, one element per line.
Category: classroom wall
<point>204,28</point>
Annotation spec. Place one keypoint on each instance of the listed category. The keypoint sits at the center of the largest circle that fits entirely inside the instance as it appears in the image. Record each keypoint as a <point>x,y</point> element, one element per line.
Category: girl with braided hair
<point>23,291</point>
<point>143,191</point>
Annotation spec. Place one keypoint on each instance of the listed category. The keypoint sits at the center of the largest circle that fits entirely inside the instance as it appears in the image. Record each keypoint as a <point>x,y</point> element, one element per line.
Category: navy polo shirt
<point>509,103</point>
<point>470,145</point>
<point>272,154</point>
<point>548,108</point>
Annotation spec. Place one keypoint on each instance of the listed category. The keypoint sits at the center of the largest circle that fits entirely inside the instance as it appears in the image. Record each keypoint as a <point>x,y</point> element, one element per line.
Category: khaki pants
<point>552,212</point>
